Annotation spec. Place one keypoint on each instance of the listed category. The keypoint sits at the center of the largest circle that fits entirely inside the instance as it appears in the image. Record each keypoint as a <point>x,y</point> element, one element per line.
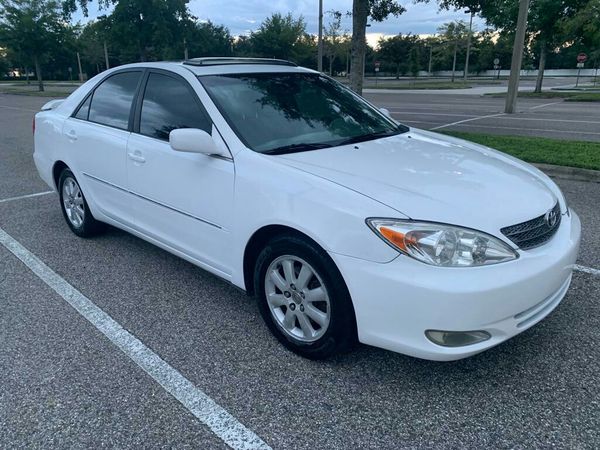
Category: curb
<point>570,173</point>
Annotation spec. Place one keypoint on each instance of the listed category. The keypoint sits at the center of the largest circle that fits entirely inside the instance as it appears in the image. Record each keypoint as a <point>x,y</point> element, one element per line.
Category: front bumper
<point>396,302</point>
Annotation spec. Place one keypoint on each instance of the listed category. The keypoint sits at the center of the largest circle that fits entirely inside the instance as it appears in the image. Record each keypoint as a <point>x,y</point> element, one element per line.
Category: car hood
<point>427,176</point>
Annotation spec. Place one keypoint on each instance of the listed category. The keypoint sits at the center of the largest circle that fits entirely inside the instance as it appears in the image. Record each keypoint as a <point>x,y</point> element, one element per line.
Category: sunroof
<point>225,60</point>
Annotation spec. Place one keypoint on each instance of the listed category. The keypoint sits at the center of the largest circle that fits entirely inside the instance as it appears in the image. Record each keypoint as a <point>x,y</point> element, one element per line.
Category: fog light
<point>456,338</point>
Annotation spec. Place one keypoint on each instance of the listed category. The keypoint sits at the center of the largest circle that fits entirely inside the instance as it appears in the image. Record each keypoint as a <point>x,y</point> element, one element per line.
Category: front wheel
<point>75,208</point>
<point>303,298</point>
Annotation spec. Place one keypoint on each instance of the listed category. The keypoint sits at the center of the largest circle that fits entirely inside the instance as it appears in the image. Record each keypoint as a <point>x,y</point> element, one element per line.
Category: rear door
<point>97,136</point>
<point>181,199</point>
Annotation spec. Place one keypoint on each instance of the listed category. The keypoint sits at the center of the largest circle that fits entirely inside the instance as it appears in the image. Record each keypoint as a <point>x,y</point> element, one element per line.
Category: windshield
<point>289,112</point>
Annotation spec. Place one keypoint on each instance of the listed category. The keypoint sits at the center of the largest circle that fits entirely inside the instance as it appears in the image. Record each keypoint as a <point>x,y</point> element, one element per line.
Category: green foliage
<point>280,37</point>
<point>379,10</point>
<point>584,28</point>
<point>149,29</point>
<point>396,51</point>
<point>540,150</point>
<point>208,39</point>
<point>34,31</point>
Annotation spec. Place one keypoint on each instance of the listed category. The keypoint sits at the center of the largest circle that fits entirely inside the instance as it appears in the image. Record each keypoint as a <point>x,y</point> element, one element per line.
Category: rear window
<point>112,99</point>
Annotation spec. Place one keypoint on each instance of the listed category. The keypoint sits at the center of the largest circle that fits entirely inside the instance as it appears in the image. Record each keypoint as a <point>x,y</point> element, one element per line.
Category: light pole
<point>106,56</point>
<point>466,74</point>
<point>320,40</point>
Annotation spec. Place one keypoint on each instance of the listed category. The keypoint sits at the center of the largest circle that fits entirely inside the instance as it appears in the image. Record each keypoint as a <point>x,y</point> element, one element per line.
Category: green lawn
<point>581,154</point>
<point>568,96</point>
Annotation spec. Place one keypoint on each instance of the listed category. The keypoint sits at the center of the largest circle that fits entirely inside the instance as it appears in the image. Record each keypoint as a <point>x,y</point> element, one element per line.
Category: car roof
<point>214,66</point>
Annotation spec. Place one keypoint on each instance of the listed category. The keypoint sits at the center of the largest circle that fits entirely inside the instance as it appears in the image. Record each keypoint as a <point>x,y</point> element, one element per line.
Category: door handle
<point>137,157</point>
<point>71,135</point>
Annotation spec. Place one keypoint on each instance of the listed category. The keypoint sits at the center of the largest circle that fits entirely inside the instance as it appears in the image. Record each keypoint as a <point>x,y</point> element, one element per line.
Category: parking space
<point>65,384</point>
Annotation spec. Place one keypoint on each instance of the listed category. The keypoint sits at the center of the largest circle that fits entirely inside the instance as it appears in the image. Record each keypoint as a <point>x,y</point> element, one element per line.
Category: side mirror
<point>385,112</point>
<point>193,140</point>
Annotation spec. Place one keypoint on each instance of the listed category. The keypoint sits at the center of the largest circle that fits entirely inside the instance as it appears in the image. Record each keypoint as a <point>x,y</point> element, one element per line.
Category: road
<point>553,118</point>
<point>65,384</point>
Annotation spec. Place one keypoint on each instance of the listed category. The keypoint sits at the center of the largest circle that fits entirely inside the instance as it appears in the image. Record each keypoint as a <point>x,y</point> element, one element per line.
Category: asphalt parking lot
<point>552,118</point>
<point>66,384</point>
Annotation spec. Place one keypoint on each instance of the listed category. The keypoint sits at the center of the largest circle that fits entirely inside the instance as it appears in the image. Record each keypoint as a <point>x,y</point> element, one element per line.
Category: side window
<point>167,105</point>
<point>84,109</point>
<point>111,102</point>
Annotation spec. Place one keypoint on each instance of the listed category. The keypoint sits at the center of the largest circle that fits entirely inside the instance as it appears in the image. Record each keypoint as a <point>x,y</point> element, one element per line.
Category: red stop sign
<point>582,57</point>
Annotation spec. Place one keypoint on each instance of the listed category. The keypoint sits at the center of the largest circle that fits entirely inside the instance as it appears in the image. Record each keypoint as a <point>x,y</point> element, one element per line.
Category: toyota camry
<point>344,224</point>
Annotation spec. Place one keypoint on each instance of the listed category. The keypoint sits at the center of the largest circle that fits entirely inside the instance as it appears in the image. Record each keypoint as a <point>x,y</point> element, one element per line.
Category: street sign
<point>581,58</point>
<point>376,69</point>
<point>496,61</point>
<point>496,66</point>
<point>580,65</point>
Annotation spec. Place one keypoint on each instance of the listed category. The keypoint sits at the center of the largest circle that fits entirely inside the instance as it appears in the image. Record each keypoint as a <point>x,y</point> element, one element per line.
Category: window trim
<point>142,71</point>
<point>142,92</point>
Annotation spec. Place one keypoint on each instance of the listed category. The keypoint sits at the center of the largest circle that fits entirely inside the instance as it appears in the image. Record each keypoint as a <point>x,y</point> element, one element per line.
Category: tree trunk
<point>398,71</point>
<point>541,67</point>
<point>38,73</point>
<point>360,14</point>
<point>331,59</point>
<point>27,75</point>
<point>454,60</point>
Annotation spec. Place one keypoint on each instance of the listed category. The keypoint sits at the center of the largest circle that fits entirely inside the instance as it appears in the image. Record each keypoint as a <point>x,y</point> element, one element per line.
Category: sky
<point>244,16</point>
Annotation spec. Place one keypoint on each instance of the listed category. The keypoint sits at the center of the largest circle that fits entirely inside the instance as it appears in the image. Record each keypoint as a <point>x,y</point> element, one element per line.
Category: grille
<point>534,232</point>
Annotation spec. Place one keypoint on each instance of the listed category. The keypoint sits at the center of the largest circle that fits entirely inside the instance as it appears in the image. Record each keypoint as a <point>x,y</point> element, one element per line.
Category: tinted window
<point>282,112</point>
<point>169,104</point>
<point>84,109</point>
<point>111,102</point>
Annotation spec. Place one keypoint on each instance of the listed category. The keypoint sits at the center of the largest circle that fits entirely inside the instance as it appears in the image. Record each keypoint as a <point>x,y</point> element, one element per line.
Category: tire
<point>74,207</point>
<point>334,331</point>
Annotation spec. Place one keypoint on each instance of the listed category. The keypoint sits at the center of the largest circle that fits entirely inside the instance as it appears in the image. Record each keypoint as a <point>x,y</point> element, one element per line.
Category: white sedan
<point>346,225</point>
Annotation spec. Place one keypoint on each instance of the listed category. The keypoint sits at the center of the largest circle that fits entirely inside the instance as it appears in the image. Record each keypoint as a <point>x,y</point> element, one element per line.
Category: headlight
<point>442,245</point>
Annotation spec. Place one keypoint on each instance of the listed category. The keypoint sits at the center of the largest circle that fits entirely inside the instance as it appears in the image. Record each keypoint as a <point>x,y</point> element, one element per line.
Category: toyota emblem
<point>551,218</point>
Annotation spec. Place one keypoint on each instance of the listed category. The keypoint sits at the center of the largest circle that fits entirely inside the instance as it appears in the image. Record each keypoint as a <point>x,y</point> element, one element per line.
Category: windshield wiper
<point>294,148</point>
<point>370,136</point>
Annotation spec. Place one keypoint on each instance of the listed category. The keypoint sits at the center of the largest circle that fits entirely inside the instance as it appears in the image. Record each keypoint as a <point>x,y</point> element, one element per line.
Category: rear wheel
<point>303,298</point>
<point>75,208</point>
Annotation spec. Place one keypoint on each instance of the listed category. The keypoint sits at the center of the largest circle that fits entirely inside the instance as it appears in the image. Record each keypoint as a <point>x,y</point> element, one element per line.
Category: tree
<point>584,28</point>
<point>150,29</point>
<point>31,29</point>
<point>414,63</point>
<point>333,38</point>
<point>543,25</point>
<point>208,39</point>
<point>396,51</point>
<point>90,43</point>
<point>378,10</point>
<point>454,36</point>
<point>278,36</point>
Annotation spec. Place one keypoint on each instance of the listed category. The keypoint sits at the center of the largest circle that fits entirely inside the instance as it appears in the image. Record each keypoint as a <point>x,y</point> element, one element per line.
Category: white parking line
<point>20,109</point>
<point>586,269</point>
<point>467,120</point>
<point>223,424</point>
<point>547,130</point>
<point>544,105</point>
<point>37,194</point>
